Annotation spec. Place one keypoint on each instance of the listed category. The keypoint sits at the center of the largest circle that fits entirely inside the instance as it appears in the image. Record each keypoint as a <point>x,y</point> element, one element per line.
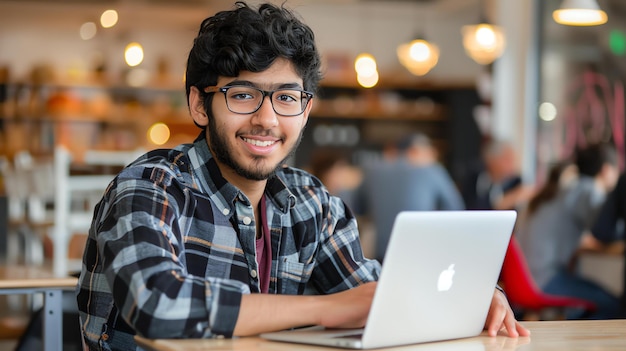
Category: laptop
<point>436,283</point>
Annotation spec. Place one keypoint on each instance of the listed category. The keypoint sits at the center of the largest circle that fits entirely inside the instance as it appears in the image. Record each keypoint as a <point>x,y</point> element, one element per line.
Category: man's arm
<point>261,313</point>
<point>140,240</point>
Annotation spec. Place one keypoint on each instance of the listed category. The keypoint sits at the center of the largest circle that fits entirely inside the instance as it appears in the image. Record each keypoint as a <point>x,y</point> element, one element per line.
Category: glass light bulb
<point>485,36</point>
<point>419,51</point>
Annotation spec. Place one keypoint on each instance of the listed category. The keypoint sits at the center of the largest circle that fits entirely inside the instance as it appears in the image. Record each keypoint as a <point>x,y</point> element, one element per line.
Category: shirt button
<point>247,220</point>
<point>225,211</point>
<point>253,273</point>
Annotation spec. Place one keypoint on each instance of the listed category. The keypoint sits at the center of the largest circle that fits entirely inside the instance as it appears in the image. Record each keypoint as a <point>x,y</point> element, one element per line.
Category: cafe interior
<point>87,86</point>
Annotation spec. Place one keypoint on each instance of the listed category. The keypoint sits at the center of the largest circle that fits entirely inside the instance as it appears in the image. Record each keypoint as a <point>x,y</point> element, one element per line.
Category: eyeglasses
<point>245,100</point>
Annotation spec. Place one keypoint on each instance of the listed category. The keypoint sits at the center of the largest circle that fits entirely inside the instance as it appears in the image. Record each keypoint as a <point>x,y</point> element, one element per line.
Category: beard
<point>255,170</point>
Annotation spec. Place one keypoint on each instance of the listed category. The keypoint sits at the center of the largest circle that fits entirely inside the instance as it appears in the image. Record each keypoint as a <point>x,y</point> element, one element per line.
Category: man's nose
<point>265,115</point>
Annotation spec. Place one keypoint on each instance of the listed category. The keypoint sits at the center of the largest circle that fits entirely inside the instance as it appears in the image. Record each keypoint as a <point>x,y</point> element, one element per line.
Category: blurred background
<point>65,79</point>
<point>73,81</point>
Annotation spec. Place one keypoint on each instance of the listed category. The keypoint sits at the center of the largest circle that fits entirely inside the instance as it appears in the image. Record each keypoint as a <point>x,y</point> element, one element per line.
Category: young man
<point>218,238</point>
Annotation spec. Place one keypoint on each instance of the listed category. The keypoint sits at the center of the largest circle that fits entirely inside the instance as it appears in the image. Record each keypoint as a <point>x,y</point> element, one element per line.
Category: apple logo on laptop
<point>444,283</point>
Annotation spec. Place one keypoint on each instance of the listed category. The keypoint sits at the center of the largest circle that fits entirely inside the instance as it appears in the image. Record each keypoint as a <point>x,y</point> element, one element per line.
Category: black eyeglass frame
<point>215,89</point>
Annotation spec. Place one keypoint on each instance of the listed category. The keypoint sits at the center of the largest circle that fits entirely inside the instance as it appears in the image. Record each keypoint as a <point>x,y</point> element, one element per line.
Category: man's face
<point>252,146</point>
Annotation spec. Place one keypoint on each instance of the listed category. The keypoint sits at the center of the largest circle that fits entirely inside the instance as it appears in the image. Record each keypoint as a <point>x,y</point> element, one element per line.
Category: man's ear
<point>307,110</point>
<point>196,107</point>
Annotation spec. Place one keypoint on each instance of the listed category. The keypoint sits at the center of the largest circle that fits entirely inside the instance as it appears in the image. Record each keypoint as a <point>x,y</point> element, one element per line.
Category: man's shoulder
<point>178,156</point>
<point>159,164</point>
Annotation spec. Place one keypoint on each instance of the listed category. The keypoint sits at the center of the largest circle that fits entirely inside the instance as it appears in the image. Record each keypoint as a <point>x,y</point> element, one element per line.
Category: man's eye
<point>286,97</point>
<point>241,95</point>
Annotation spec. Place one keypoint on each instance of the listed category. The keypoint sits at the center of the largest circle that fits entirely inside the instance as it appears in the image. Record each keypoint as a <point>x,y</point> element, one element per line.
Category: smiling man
<point>218,237</point>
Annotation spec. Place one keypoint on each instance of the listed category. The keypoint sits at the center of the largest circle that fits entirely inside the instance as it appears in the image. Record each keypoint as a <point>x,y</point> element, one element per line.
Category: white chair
<point>76,197</point>
<point>25,238</point>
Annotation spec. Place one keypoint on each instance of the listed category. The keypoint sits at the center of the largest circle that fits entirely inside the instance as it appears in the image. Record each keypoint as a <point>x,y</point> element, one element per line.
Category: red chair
<point>522,291</point>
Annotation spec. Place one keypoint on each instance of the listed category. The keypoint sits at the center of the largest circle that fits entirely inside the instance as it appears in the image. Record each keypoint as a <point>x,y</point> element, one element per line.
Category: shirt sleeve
<point>142,252</point>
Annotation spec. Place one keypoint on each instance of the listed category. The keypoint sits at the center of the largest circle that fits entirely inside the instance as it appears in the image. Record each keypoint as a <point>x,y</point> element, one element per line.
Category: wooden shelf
<point>403,110</point>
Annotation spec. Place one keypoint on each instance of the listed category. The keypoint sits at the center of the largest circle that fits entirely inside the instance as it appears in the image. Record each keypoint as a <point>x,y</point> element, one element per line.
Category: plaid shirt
<point>171,248</point>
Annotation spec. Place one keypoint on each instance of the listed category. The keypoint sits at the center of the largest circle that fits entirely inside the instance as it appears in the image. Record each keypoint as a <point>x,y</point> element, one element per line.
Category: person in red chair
<point>526,298</point>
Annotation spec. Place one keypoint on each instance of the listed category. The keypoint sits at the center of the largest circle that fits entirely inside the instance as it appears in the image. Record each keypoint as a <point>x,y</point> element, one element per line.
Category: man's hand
<point>501,317</point>
<point>348,309</point>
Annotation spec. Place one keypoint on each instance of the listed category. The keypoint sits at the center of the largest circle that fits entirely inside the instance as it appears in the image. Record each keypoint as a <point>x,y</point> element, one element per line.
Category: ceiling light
<point>483,42</point>
<point>580,13</point>
<point>419,56</point>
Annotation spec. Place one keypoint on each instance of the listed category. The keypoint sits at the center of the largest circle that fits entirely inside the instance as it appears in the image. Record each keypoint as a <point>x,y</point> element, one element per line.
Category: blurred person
<point>557,218</point>
<point>560,176</point>
<point>333,169</point>
<point>609,226</point>
<point>413,181</point>
<point>497,185</point>
<point>218,237</point>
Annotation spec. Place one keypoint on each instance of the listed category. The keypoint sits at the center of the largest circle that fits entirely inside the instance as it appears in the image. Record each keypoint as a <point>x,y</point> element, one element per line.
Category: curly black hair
<point>245,39</point>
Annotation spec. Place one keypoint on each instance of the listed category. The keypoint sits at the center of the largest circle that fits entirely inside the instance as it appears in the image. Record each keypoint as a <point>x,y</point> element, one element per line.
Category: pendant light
<point>580,13</point>
<point>418,56</point>
<point>483,42</point>
<point>365,64</point>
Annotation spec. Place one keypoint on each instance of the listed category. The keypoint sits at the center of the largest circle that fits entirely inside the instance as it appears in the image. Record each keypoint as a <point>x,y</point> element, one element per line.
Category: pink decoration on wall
<point>596,113</point>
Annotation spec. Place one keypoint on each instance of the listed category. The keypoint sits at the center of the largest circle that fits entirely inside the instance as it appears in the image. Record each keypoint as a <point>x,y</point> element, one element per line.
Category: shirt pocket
<point>293,275</point>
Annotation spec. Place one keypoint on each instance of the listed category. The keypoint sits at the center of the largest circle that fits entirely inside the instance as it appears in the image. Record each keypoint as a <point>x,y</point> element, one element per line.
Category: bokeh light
<point>88,30</point>
<point>159,133</point>
<point>108,18</point>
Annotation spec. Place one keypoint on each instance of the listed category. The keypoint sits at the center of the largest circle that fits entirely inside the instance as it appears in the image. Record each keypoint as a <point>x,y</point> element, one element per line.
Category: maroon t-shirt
<point>264,251</point>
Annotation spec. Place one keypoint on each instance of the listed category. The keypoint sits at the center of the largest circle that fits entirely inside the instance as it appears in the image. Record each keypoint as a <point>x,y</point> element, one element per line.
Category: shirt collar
<point>279,193</point>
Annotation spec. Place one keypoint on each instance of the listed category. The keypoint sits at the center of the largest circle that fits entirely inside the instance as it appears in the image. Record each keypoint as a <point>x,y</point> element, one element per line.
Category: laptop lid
<point>437,281</point>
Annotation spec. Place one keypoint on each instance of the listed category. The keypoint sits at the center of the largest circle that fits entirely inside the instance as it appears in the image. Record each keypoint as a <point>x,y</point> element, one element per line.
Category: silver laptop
<point>437,281</point>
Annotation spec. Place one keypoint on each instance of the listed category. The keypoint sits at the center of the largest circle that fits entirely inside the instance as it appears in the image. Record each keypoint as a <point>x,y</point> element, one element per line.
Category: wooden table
<point>31,280</point>
<point>545,336</point>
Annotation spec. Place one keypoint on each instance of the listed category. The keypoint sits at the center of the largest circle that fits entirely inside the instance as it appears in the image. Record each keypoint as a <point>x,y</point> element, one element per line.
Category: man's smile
<point>262,143</point>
